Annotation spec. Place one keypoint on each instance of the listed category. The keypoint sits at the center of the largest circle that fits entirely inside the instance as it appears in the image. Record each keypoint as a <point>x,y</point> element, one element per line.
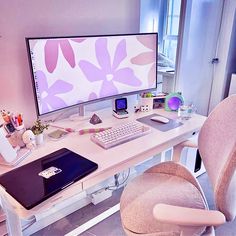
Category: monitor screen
<point>68,71</point>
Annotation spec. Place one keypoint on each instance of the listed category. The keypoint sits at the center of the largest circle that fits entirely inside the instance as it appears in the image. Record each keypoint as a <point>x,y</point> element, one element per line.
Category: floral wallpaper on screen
<point>68,71</point>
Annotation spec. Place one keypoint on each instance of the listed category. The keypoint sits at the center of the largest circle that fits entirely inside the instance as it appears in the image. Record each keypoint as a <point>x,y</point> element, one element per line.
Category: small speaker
<point>120,104</point>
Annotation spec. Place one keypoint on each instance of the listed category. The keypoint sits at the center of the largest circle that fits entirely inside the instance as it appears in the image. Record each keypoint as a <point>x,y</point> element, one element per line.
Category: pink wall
<point>20,19</point>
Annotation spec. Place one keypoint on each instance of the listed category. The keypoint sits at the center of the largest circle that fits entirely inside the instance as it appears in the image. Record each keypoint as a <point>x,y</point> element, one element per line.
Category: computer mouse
<point>160,119</point>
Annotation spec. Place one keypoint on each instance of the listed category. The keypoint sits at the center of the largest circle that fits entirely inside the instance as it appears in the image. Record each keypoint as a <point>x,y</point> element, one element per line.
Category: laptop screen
<point>35,182</point>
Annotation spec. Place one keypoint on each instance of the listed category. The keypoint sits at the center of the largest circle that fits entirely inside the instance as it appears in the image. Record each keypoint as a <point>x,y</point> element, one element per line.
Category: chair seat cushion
<point>145,191</point>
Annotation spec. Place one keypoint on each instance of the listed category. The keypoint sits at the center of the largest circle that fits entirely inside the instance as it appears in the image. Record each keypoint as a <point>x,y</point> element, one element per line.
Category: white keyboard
<point>120,134</point>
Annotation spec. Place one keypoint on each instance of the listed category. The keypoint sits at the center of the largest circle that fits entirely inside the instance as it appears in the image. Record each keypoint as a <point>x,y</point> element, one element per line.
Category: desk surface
<point>113,160</point>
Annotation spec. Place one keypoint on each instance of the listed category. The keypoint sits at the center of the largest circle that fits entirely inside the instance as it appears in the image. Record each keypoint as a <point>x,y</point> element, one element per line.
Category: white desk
<point>109,161</point>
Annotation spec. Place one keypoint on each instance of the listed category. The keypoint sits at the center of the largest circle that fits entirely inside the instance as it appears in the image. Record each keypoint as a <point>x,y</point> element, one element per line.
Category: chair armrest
<point>187,216</point>
<point>179,147</point>
<point>190,143</point>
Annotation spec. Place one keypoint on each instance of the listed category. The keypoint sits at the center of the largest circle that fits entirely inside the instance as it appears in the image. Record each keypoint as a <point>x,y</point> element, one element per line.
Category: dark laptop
<point>35,182</point>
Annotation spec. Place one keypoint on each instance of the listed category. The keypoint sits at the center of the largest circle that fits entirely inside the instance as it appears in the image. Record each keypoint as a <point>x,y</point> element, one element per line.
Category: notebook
<point>35,182</point>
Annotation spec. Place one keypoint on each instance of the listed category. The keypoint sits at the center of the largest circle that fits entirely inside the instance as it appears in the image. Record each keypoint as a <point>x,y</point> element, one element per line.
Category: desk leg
<point>163,154</point>
<point>12,219</point>
<point>89,224</point>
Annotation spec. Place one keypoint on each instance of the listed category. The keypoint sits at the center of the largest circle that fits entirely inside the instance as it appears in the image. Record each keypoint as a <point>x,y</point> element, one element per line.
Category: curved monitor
<point>68,71</point>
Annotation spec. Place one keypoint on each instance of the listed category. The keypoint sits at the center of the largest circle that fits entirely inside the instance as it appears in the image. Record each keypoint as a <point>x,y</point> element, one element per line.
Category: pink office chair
<point>168,200</point>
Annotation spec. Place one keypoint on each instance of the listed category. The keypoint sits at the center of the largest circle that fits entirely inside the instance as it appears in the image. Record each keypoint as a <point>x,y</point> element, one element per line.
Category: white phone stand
<point>8,155</point>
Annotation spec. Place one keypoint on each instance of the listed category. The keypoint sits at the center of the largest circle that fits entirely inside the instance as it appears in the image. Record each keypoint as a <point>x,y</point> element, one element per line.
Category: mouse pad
<point>160,126</point>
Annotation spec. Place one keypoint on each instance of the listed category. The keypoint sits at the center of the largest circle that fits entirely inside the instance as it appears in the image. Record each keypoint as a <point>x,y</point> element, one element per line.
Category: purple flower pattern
<point>48,95</point>
<point>51,52</point>
<point>108,72</point>
<point>146,58</point>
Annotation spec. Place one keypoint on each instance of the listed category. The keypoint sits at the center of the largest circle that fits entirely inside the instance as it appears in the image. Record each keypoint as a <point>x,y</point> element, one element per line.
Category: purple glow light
<point>174,103</point>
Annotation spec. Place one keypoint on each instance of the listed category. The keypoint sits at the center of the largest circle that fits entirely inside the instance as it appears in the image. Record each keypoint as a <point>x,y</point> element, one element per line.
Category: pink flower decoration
<point>51,52</point>
<point>146,58</point>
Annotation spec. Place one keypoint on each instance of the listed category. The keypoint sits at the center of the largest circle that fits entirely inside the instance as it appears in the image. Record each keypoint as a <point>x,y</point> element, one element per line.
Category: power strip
<point>100,196</point>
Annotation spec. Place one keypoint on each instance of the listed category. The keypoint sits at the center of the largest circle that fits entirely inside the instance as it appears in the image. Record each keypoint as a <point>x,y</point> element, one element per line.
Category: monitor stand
<point>80,115</point>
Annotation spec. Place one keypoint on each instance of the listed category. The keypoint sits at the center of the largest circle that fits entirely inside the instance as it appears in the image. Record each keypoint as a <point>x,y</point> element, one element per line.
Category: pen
<point>5,116</point>
<point>16,121</point>
<point>19,118</point>
<point>12,119</point>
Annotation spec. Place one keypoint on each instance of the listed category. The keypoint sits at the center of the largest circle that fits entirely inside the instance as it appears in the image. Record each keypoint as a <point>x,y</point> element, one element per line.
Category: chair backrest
<point>217,146</point>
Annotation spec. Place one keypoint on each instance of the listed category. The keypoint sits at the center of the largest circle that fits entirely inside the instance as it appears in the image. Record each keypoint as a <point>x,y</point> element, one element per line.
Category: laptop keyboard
<point>120,134</point>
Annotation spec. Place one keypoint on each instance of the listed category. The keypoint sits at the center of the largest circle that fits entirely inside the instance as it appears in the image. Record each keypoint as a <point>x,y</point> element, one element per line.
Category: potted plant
<point>38,129</point>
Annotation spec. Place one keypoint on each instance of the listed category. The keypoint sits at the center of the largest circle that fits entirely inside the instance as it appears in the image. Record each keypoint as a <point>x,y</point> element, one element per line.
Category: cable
<point>116,176</point>
<point>126,177</point>
<point>114,187</point>
<point>117,184</point>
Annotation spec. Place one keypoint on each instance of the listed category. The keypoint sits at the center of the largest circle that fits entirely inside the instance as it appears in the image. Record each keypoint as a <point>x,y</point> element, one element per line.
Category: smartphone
<point>57,134</point>
<point>9,128</point>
